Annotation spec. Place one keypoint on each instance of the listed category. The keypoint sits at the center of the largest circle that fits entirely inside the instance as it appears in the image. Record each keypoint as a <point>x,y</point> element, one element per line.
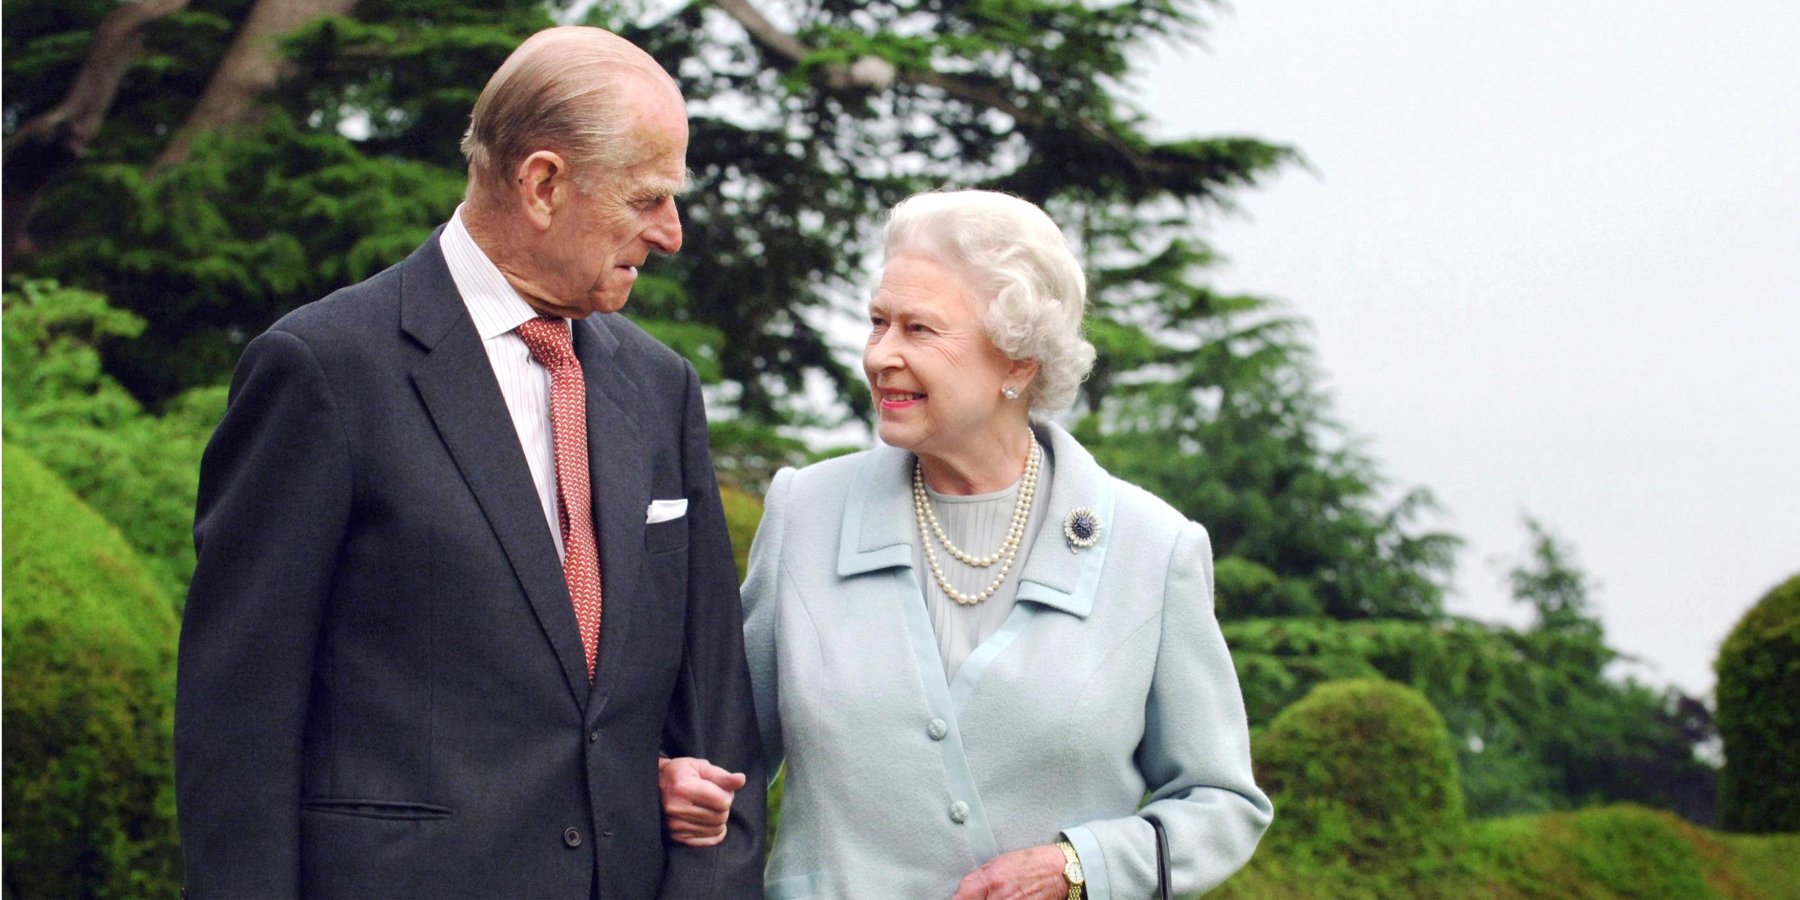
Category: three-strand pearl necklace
<point>1009,548</point>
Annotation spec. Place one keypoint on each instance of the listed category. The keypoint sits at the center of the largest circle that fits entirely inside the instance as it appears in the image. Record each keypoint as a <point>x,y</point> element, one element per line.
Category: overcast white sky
<point>1551,252</point>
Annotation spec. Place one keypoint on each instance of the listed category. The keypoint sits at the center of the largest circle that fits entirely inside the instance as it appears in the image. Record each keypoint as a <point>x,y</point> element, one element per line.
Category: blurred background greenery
<point>179,173</point>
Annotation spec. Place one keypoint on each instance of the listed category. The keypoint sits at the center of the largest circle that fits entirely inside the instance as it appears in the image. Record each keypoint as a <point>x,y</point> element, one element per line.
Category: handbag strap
<point>1163,887</point>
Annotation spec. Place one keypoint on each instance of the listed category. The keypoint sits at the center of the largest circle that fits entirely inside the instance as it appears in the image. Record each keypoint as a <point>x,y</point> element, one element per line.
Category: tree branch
<point>49,143</point>
<point>251,66</point>
<point>876,74</point>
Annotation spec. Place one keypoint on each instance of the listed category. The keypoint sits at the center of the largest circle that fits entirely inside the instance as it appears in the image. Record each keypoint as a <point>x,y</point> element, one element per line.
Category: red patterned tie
<point>551,345</point>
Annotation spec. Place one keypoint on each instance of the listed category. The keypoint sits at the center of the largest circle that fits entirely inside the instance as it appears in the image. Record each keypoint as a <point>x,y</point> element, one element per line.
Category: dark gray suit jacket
<point>381,687</point>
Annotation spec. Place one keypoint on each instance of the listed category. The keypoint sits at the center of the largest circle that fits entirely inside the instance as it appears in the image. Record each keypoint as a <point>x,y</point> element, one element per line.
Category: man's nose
<point>664,232</point>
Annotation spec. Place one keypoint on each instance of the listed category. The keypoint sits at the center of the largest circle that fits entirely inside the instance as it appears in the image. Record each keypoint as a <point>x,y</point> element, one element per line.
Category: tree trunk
<point>251,66</point>
<point>46,145</point>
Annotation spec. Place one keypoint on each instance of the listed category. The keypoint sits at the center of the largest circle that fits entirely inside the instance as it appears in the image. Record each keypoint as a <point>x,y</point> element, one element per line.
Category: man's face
<point>612,225</point>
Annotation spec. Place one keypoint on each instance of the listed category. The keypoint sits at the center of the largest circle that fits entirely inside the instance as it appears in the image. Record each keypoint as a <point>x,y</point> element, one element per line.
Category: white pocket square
<point>664,510</point>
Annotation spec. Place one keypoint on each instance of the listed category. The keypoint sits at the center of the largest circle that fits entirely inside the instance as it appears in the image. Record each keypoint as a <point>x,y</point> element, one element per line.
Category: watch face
<point>1072,871</point>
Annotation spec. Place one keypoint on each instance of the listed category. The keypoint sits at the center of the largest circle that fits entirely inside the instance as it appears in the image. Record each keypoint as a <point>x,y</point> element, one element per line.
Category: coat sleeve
<point>712,715</point>
<point>761,619</point>
<point>1195,754</point>
<point>274,501</point>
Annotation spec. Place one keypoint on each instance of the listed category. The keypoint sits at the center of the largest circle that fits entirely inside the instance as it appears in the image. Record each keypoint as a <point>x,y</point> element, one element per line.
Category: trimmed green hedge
<point>89,649</point>
<point>1603,853</point>
<point>1759,715</point>
<point>137,469</point>
<point>743,513</point>
<point>1361,772</point>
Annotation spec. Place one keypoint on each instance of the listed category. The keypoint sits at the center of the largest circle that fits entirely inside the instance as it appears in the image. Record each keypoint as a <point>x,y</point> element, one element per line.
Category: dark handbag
<point>1162,857</point>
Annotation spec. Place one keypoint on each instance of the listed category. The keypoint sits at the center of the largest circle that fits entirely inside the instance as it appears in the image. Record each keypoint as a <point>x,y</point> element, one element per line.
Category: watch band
<point>1072,872</point>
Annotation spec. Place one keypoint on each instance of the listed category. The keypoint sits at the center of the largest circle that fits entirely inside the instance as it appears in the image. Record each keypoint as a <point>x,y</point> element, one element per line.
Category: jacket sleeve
<point>761,619</point>
<point>274,500</point>
<point>711,715</point>
<point>1195,754</point>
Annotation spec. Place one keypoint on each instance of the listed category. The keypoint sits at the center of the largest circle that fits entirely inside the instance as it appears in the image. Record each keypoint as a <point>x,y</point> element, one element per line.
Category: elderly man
<point>463,572</point>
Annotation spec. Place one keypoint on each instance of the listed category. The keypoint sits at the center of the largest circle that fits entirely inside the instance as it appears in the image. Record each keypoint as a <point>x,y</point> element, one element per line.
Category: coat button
<point>937,729</point>
<point>593,737</point>
<point>572,836</point>
<point>959,812</point>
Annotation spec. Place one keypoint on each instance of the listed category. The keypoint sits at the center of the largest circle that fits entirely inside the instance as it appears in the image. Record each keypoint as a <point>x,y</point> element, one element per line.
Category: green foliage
<point>1556,588</point>
<point>89,669</point>
<point>1333,765</point>
<point>1605,741</point>
<point>1604,853</point>
<point>747,453</point>
<point>743,512</point>
<point>777,788</point>
<point>275,214</point>
<point>1768,862</point>
<point>140,471</point>
<point>1531,734</point>
<point>221,245</point>
<point>1612,851</point>
<point>1536,723</point>
<point>1759,715</point>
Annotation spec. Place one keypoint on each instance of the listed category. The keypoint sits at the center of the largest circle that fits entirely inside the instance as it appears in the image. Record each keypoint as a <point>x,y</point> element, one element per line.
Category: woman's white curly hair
<point>1016,262</point>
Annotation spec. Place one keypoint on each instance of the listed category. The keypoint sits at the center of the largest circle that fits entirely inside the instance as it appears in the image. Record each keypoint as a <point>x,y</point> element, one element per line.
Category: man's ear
<point>542,184</point>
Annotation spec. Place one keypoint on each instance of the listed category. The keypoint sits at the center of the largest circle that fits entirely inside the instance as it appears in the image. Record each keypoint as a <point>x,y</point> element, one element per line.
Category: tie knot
<point>549,341</point>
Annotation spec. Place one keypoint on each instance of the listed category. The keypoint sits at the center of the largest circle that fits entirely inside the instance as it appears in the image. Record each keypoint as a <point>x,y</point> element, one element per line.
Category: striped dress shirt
<point>498,309</point>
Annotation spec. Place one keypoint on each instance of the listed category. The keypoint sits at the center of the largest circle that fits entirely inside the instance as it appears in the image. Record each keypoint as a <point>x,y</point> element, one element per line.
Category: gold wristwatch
<point>1072,870</point>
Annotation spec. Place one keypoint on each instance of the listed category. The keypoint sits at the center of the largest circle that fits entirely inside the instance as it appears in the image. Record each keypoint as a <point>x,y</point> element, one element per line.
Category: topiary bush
<point>138,469</point>
<point>1362,772</point>
<point>1759,715</point>
<point>89,659</point>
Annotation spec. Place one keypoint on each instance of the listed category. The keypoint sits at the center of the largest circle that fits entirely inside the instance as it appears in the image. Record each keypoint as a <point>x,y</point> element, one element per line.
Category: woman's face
<point>935,376</point>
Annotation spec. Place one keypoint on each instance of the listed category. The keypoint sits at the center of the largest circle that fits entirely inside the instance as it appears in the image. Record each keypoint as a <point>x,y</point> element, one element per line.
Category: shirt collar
<point>493,303</point>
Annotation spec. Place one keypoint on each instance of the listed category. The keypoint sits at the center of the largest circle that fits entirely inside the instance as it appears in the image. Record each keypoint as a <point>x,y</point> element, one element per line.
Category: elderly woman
<point>977,652</point>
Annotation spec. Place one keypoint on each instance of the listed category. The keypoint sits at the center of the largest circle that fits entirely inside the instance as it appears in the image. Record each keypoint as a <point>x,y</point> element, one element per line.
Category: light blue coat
<point>1109,680</point>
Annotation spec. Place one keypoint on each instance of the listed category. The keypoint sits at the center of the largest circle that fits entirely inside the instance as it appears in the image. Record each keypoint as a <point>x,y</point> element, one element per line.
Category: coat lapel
<point>878,531</point>
<point>1056,575</point>
<point>619,471</point>
<point>457,385</point>
<point>877,528</point>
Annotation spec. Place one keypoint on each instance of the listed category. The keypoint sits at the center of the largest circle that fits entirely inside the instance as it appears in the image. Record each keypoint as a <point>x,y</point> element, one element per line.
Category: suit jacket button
<point>959,812</point>
<point>572,836</point>
<point>937,728</point>
<point>593,737</point>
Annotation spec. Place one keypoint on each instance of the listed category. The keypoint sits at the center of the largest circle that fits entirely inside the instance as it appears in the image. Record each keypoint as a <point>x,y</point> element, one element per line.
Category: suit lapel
<point>457,385</point>
<point>619,471</point>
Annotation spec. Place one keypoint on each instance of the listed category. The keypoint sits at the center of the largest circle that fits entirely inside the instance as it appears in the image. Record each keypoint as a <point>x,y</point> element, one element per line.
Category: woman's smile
<point>898,400</point>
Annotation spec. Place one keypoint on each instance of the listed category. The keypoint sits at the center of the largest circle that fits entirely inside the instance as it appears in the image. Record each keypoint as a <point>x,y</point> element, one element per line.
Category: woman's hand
<point>696,798</point>
<point>1031,874</point>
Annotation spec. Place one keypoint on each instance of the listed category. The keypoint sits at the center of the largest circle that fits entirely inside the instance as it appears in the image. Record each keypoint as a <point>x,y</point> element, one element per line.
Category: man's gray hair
<point>1017,262</point>
<point>561,90</point>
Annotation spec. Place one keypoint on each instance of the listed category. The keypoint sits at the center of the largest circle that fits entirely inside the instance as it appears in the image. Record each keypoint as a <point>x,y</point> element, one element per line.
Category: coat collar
<point>878,529</point>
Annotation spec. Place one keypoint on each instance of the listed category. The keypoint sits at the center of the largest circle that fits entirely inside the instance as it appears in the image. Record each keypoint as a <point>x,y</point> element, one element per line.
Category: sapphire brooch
<point>1081,528</point>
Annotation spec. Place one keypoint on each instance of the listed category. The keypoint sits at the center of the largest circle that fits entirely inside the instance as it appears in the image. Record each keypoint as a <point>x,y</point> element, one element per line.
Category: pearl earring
<point>1009,392</point>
